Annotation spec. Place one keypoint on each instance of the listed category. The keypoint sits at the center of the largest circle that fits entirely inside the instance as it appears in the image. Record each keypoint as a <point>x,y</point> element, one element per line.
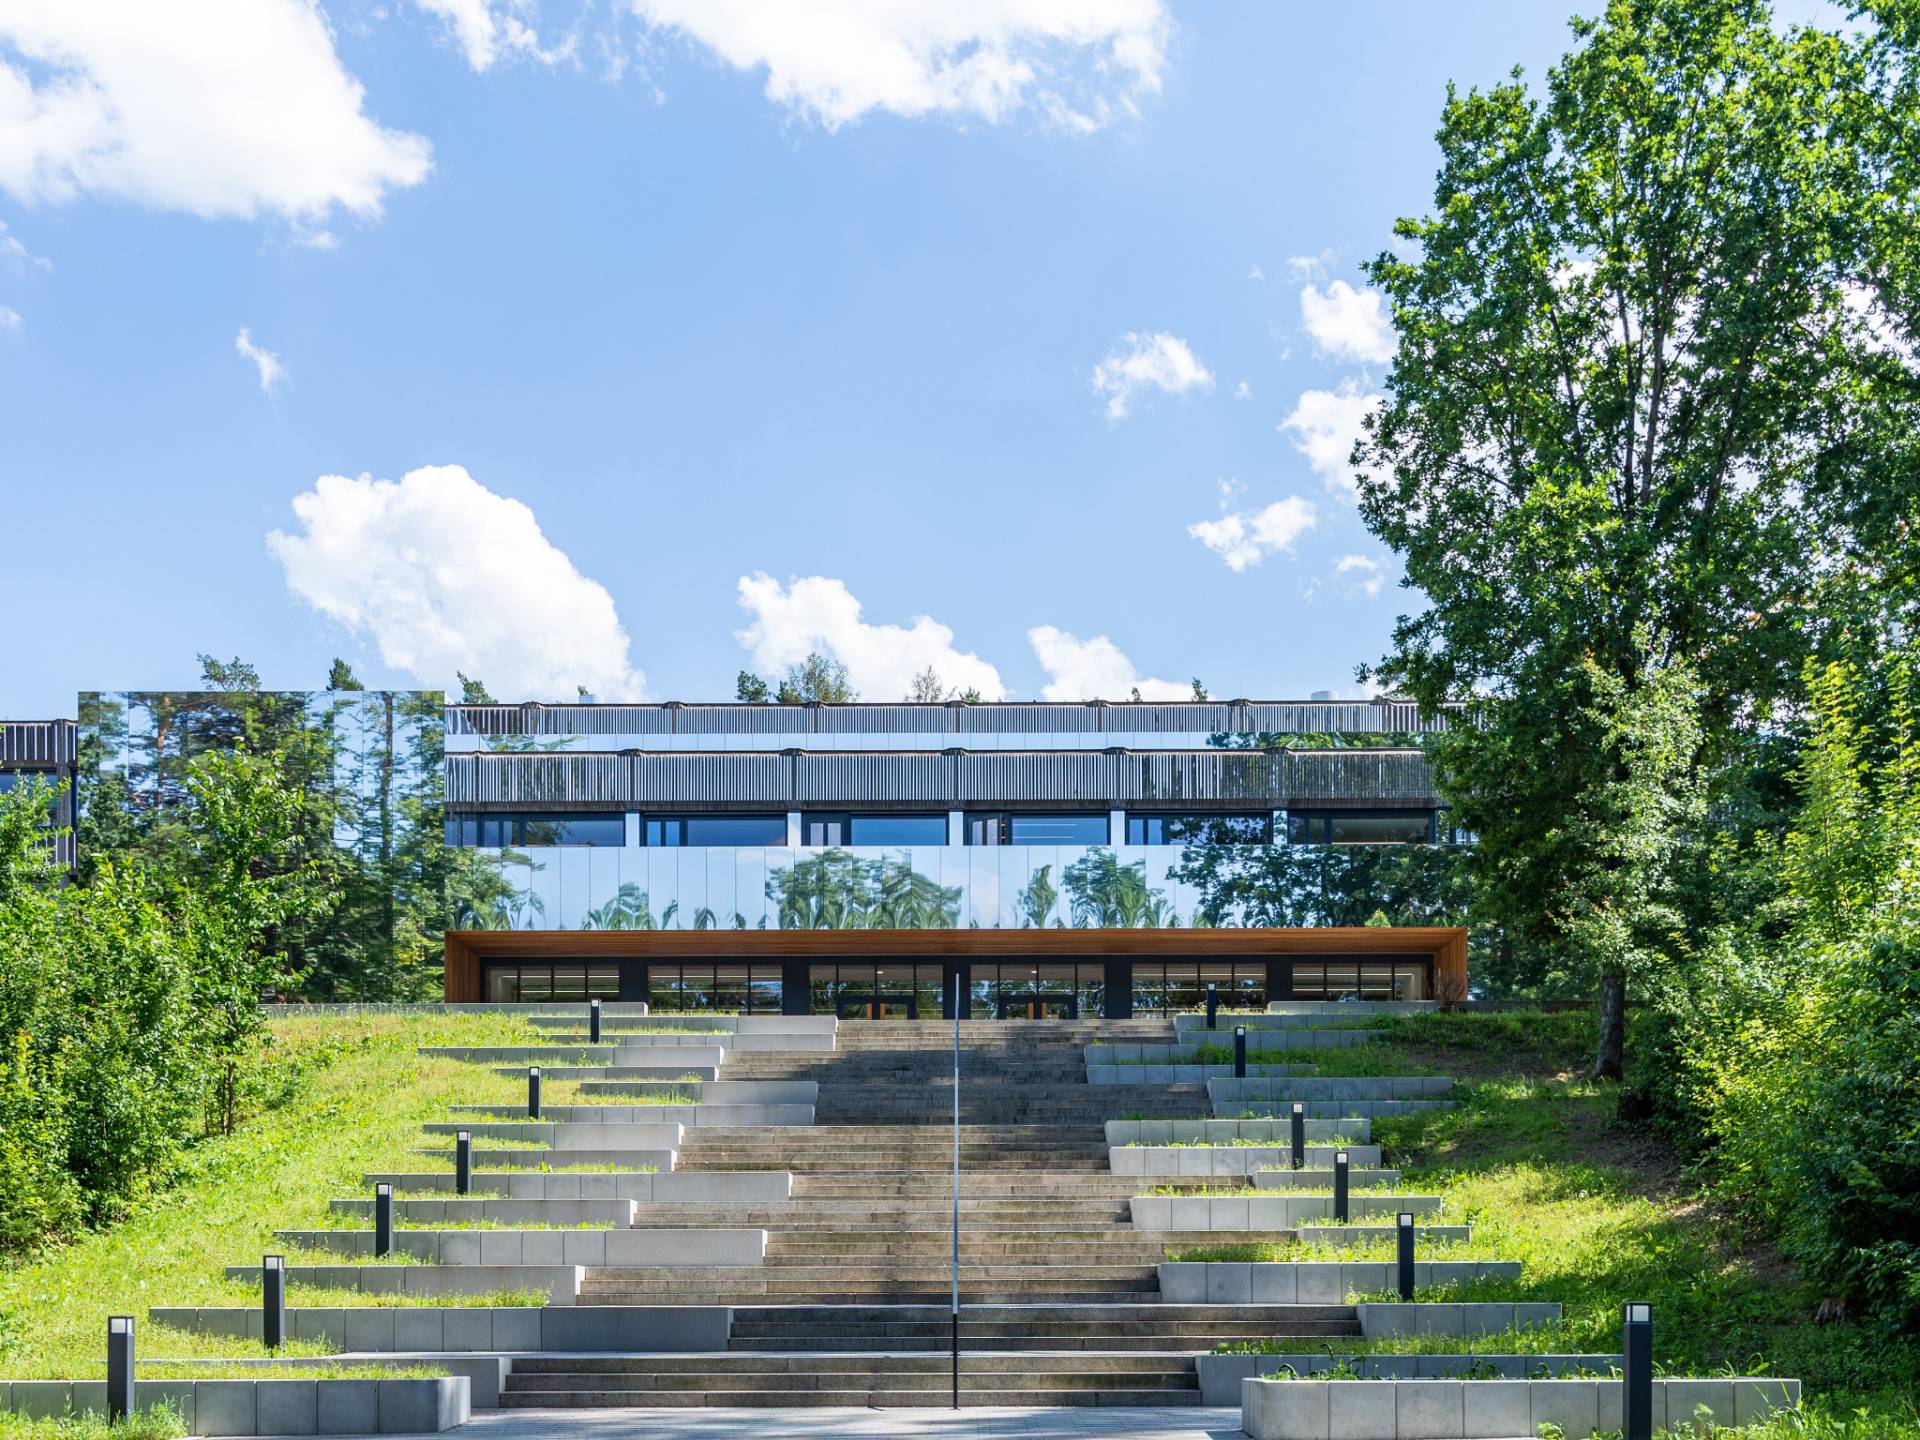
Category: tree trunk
<point>1610,1056</point>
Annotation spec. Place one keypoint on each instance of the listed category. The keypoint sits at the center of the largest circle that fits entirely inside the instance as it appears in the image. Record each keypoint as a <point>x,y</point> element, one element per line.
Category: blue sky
<point>945,316</point>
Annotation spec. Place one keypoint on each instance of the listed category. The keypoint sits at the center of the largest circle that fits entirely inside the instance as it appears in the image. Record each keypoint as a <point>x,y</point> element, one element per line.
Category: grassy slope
<point>360,1095</point>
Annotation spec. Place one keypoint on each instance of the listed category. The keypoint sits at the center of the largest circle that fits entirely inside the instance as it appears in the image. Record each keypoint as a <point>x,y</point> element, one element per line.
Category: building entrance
<point>1034,1005</point>
<point>898,990</point>
<point>877,1005</point>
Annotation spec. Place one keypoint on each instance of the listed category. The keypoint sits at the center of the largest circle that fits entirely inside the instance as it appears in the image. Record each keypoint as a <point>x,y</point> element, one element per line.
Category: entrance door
<point>1033,1005</point>
<point>879,1005</point>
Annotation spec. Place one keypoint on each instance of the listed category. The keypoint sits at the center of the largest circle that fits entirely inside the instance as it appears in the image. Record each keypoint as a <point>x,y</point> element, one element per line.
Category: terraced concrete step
<point>852,1397</point>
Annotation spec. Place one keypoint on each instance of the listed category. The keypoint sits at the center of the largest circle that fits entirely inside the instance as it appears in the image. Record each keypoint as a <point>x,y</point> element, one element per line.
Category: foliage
<point>1297,885</point>
<point>838,890</point>
<point>1106,894</point>
<point>750,688</point>
<point>158,1422</point>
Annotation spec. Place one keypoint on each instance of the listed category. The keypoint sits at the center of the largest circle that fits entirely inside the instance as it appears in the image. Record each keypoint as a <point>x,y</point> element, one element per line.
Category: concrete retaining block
<point>585,1161</point>
<point>1297,1282</point>
<point>1332,1087</point>
<point>720,1024</point>
<point>1227,1160</point>
<point>1487,1409</point>
<point>270,1407</point>
<point>714,1092</point>
<point>1389,1320</point>
<point>1320,1178</point>
<point>1360,1234</point>
<point>674,1248</point>
<point>1262,1212</point>
<point>382,1330</point>
<point>699,1113</point>
<point>538,1210</point>
<point>703,1071</point>
<point>560,1281</point>
<point>1145,1133</point>
<point>664,1187</point>
<point>1181,1074</point>
<point>662,1133</point>
<point>1183,1050</point>
<point>540,1055</point>
<point>1220,1375</point>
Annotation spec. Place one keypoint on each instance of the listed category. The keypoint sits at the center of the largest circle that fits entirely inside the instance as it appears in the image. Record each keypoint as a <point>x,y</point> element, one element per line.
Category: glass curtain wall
<point>1038,991</point>
<point>1360,980</point>
<point>519,983</point>
<point>1171,987</point>
<point>724,988</point>
<point>890,991</point>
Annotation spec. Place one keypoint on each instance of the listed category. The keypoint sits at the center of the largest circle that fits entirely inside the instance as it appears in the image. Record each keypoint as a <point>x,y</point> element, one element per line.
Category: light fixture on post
<point>1341,1207</point>
<point>593,1021</point>
<point>1213,1005</point>
<point>119,1367</point>
<point>1405,1237</point>
<point>1239,1052</point>
<point>273,1301</point>
<point>533,1092</point>
<point>382,1219</point>
<point>1299,1118</point>
<point>463,1162</point>
<point>1636,1372</point>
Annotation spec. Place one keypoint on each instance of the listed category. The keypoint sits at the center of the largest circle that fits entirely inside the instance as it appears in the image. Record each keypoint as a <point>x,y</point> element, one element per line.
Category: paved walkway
<point>1189,1423</point>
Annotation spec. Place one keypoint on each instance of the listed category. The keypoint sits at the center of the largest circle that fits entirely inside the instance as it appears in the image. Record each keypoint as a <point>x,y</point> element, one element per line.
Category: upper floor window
<point>714,829</point>
<point>1199,829</point>
<point>1002,828</point>
<point>839,827</point>
<point>1360,827</point>
<point>500,831</point>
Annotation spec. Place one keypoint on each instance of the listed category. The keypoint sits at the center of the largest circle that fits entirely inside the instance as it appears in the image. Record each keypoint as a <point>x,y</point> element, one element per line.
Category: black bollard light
<point>1406,1254</point>
<point>1636,1378</point>
<point>463,1162</point>
<point>1239,1052</point>
<point>1213,1005</point>
<point>1340,1207</point>
<point>273,1301</point>
<point>533,1092</point>
<point>593,1021</point>
<point>119,1367</point>
<point>1299,1135</point>
<point>383,1219</point>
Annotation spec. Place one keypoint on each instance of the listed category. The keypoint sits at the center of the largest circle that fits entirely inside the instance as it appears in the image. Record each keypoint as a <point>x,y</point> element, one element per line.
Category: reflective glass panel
<point>1199,829</point>
<point>603,829</point>
<point>986,830</point>
<point>1081,829</point>
<point>1409,828</point>
<point>823,829</point>
<point>898,830</point>
<point>736,830</point>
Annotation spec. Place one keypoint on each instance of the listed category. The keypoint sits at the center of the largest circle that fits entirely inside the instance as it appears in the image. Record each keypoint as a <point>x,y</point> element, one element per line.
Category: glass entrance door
<point>878,1005</point>
<point>1032,1005</point>
<point>895,990</point>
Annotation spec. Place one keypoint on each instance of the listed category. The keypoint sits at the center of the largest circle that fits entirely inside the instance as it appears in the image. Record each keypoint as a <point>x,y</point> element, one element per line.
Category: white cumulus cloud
<point>1324,424</point>
<point>1346,323</point>
<point>1247,537</point>
<point>444,576</point>
<point>1141,362</point>
<point>272,372</point>
<point>221,108</point>
<point>485,30</point>
<point>1362,572</point>
<point>1094,669</point>
<point>10,318</point>
<point>817,613</point>
<point>1078,63</point>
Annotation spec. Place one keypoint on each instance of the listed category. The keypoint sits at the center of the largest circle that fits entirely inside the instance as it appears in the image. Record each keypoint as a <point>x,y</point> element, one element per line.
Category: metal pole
<point>383,1219</point>
<point>1299,1135</point>
<point>119,1367</point>
<point>1239,1052</point>
<point>1213,1005</point>
<point>463,1162</point>
<point>273,1301</point>
<point>956,1189</point>
<point>533,1092</point>
<point>1406,1254</point>
<point>593,1021</point>
<point>1636,1377</point>
<point>1340,1206</point>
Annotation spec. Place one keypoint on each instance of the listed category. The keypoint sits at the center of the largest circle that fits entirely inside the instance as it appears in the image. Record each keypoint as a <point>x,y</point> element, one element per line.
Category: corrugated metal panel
<point>1035,777</point>
<point>930,719</point>
<point>742,720</point>
<point>1361,776</point>
<point>37,742</point>
<point>546,779</point>
<point>744,779</point>
<point>1253,778</point>
<point>862,777</point>
<point>1173,719</point>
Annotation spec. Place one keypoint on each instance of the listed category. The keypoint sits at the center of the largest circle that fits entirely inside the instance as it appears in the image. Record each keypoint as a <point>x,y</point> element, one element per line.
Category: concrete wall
<point>1220,1375</point>
<point>1228,1160</point>
<point>561,1282</point>
<point>1261,1212</point>
<point>267,1407</point>
<point>1204,1131</point>
<point>387,1328</point>
<point>650,1248</point>
<point>1305,1282</point>
<point>687,1187</point>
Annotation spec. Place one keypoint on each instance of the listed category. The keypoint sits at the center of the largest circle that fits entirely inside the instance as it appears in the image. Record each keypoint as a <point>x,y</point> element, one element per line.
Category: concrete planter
<point>720,1024</point>
<point>705,1068</point>
<point>1144,1133</point>
<point>523,1054</point>
<point>1220,1375</point>
<point>1183,1051</point>
<point>1194,1027</point>
<point>1181,1074</point>
<point>1360,1234</point>
<point>1292,1282</point>
<point>687,1187</point>
<point>383,1330</point>
<point>472,1207</point>
<point>561,1282</point>
<point>1229,1160</point>
<point>1426,1317</point>
<point>699,1113</point>
<point>645,1248</point>
<point>268,1407</point>
<point>1261,1212</point>
<point>714,1092</point>
<point>1487,1409</point>
<point>1334,1087</point>
<point>658,1134</point>
<point>1320,1178</point>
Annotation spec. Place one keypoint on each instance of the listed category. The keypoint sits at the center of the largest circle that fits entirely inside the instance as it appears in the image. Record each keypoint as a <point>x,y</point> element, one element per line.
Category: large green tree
<point>1648,339</point>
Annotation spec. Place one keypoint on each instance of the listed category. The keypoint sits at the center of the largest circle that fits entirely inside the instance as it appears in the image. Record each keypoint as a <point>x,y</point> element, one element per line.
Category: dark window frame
<point>850,822</point>
<point>1141,823</point>
<point>670,831</point>
<point>1315,827</point>
<point>1003,823</point>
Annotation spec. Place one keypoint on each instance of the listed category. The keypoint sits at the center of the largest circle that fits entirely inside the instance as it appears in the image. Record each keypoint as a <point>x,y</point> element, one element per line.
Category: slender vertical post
<point>1213,1005</point>
<point>383,1219</point>
<point>593,1021</point>
<point>533,1092</point>
<point>273,1301</point>
<point>1299,1118</point>
<point>119,1367</point>
<point>1340,1206</point>
<point>1239,1052</point>
<point>956,1190</point>
<point>1406,1254</point>
<point>1636,1377</point>
<point>463,1162</point>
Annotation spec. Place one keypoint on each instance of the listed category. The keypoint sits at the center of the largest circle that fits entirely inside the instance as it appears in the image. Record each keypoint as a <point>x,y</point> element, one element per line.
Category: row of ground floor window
<point>1113,988</point>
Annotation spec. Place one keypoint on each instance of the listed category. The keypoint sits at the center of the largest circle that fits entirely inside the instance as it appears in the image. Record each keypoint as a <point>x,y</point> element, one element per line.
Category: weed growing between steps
<point>362,1096</point>
<point>157,1422</point>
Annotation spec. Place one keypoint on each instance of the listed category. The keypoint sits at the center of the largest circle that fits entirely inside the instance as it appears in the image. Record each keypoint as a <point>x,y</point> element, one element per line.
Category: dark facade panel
<point>794,720</point>
<point>1035,777</point>
<point>1236,778</point>
<point>748,778</point>
<point>910,779</point>
<point>1042,719</point>
<point>1360,777</point>
<point>42,744</point>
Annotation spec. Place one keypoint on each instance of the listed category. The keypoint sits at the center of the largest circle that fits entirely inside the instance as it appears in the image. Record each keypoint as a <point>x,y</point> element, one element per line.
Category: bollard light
<point>119,1367</point>
<point>1406,1254</point>
<point>1299,1135</point>
<point>273,1301</point>
<point>593,1021</point>
<point>463,1162</point>
<point>1340,1207</point>
<point>1213,1005</point>
<point>383,1219</point>
<point>1636,1372</point>
<point>533,1092</point>
<point>1239,1052</point>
